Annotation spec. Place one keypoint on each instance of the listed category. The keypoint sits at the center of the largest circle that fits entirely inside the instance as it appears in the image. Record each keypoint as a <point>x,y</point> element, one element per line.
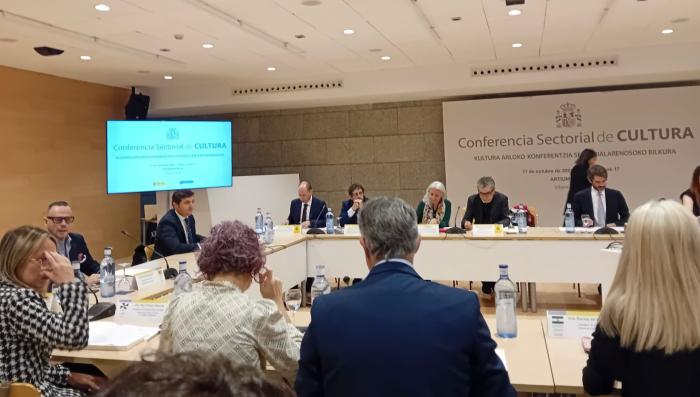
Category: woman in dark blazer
<point>578,179</point>
<point>648,336</point>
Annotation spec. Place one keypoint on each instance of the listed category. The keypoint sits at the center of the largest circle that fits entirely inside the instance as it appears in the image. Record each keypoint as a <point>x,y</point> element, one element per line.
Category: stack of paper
<point>107,335</point>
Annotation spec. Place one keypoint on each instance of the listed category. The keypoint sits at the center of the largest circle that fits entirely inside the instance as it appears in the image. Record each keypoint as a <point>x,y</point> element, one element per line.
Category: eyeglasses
<point>60,219</point>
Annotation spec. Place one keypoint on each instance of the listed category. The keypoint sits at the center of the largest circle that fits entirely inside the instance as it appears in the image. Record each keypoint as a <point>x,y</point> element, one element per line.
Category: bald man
<point>307,211</point>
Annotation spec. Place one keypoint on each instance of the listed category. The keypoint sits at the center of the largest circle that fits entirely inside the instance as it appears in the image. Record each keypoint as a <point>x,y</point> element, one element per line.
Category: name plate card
<point>288,229</point>
<point>149,279</point>
<point>429,229</point>
<point>351,230</point>
<point>149,311</point>
<point>487,230</point>
<point>571,323</point>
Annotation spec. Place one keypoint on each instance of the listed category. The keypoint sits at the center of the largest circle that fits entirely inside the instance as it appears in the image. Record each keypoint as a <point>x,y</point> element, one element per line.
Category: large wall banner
<point>649,140</point>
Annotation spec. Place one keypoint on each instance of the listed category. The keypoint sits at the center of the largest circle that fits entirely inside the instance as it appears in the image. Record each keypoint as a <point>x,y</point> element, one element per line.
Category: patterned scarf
<point>429,213</point>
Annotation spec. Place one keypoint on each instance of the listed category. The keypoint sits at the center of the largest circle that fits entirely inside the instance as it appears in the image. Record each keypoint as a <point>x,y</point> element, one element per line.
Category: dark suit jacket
<point>577,182</point>
<point>649,373</point>
<point>395,334</point>
<point>79,250</point>
<point>616,210</point>
<point>317,212</point>
<point>499,211</point>
<point>344,218</point>
<point>170,237</point>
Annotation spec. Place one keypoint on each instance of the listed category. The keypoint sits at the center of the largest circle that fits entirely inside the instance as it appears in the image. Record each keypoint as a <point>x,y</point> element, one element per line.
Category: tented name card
<point>487,230</point>
<point>149,279</point>
<point>142,311</point>
<point>287,229</point>
<point>351,230</point>
<point>571,323</point>
<point>429,229</point>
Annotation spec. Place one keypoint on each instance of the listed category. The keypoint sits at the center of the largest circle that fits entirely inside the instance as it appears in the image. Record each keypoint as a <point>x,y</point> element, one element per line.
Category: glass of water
<point>293,299</point>
<point>586,220</point>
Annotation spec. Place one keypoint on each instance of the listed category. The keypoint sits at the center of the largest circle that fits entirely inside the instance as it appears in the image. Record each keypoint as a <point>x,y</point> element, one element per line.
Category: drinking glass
<point>586,220</point>
<point>293,299</point>
<point>124,284</point>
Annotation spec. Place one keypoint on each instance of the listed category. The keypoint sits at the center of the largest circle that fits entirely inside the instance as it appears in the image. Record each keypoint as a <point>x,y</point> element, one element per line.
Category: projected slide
<point>145,156</point>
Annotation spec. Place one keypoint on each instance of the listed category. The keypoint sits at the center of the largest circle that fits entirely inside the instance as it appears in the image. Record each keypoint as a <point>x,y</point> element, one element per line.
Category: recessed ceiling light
<point>207,45</point>
<point>85,57</point>
<point>164,50</point>
<point>514,12</point>
<point>143,71</point>
<point>168,77</point>
<point>310,3</point>
<point>271,68</point>
<point>299,36</point>
<point>516,45</point>
<point>667,31</point>
<point>102,7</point>
<point>680,20</point>
<point>456,19</point>
<point>7,40</point>
<point>386,58</point>
<point>348,31</point>
<point>375,50</point>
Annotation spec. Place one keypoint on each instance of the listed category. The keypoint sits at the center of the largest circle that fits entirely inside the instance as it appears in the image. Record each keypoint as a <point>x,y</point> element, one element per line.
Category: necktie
<point>303,213</point>
<point>601,210</point>
<point>188,229</point>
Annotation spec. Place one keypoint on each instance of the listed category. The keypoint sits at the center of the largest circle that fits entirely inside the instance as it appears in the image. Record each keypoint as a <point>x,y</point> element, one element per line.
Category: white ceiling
<point>125,44</point>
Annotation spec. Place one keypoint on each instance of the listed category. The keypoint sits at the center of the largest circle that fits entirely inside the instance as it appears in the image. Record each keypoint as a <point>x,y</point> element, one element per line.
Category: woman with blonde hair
<point>648,336</point>
<point>28,330</point>
<point>435,207</point>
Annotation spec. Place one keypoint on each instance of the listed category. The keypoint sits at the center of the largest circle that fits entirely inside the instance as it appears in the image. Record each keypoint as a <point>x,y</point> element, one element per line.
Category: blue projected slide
<point>144,156</point>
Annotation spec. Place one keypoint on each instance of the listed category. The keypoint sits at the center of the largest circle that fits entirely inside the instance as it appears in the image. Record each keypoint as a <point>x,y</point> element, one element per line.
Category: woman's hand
<point>85,382</point>
<point>271,288</point>
<point>57,268</point>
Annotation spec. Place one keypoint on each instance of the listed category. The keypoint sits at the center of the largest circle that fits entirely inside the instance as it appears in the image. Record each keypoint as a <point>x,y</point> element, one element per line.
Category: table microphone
<point>168,272</point>
<point>315,230</point>
<point>455,229</point>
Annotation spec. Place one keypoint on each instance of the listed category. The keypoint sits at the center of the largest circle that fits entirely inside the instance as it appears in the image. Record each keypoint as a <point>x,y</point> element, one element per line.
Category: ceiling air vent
<point>579,63</point>
<point>270,89</point>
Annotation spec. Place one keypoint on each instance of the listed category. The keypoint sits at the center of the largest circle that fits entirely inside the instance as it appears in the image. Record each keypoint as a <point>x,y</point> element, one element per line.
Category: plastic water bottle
<point>522,221</point>
<point>329,221</point>
<point>108,274</point>
<point>183,281</point>
<point>259,222</point>
<point>320,285</point>
<point>506,323</point>
<point>269,229</point>
<point>569,219</point>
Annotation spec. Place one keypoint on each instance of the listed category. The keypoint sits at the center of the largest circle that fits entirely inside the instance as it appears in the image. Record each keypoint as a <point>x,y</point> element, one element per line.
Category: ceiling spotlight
<point>271,68</point>
<point>85,57</point>
<point>299,36</point>
<point>348,31</point>
<point>386,58</point>
<point>514,12</point>
<point>102,7</point>
<point>516,45</point>
<point>456,19</point>
<point>207,45</point>
<point>667,31</point>
<point>168,77</point>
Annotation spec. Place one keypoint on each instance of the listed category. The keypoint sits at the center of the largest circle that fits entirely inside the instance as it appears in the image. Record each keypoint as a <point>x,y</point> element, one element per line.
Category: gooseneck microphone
<point>456,229</point>
<point>168,272</point>
<point>316,230</point>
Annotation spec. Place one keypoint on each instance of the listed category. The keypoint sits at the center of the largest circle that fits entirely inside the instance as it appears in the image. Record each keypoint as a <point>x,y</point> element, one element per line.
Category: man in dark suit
<point>59,221</point>
<point>395,334</point>
<point>307,211</point>
<point>176,233</point>
<point>607,207</point>
<point>350,208</point>
<point>486,207</point>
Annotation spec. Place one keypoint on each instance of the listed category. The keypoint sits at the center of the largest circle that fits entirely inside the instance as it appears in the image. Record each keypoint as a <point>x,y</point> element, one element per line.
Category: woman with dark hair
<point>578,179</point>
<point>218,316</point>
<point>691,197</point>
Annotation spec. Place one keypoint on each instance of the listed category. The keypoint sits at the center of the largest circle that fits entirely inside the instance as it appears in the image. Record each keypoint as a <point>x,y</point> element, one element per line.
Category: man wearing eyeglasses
<point>59,220</point>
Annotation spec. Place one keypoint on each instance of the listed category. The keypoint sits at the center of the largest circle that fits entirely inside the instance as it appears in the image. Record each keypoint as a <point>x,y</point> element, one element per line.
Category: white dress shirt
<point>594,197</point>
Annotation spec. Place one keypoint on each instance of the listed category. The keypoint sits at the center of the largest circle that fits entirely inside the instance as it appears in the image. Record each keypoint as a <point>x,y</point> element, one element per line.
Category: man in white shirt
<point>607,206</point>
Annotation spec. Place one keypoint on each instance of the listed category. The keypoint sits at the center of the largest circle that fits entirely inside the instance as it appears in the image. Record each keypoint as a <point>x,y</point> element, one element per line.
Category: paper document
<point>108,335</point>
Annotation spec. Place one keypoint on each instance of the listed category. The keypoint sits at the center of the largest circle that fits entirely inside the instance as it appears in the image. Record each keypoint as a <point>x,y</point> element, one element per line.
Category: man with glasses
<point>59,220</point>
<point>486,207</point>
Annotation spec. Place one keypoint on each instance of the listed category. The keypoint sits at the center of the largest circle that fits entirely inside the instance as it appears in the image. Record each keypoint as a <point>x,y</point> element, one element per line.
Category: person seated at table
<point>307,210</point>
<point>177,232</point>
<point>395,334</point>
<point>691,197</point>
<point>486,207</point>
<point>29,332</point>
<point>193,374</point>
<point>350,208</point>
<point>435,208</point>
<point>648,335</point>
<point>218,316</point>
<point>608,206</point>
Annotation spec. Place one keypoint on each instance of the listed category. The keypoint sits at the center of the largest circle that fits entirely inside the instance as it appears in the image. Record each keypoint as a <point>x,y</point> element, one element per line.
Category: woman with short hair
<point>218,316</point>
<point>648,336</point>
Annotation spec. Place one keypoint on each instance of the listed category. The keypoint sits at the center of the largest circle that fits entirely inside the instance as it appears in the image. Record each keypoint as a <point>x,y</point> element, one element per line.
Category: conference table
<point>541,255</point>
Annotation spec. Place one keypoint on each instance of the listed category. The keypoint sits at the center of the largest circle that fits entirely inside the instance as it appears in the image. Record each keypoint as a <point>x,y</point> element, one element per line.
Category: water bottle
<point>522,221</point>
<point>506,324</point>
<point>259,223</point>
<point>108,274</point>
<point>320,285</point>
<point>183,281</point>
<point>269,229</point>
<point>569,219</point>
<point>329,221</point>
